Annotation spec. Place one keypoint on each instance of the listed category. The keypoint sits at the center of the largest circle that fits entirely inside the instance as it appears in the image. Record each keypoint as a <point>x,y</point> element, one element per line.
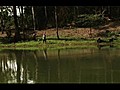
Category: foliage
<point>88,16</point>
<point>89,20</point>
<point>8,20</point>
<point>65,15</point>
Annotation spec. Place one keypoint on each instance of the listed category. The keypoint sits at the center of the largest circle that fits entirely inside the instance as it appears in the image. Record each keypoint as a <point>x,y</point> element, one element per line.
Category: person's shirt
<point>44,36</point>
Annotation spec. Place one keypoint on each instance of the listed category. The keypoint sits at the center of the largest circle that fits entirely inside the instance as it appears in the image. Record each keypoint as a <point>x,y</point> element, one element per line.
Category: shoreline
<point>57,44</point>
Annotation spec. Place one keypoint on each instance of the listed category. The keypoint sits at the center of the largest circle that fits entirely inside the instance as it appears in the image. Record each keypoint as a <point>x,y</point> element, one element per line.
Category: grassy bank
<point>69,38</point>
<point>53,43</point>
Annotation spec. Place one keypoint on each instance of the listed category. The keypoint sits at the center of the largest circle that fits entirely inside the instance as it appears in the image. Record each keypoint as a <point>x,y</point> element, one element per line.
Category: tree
<point>22,21</point>
<point>45,16</point>
<point>17,32</point>
<point>6,20</point>
<point>33,17</point>
<point>56,22</point>
<point>2,24</point>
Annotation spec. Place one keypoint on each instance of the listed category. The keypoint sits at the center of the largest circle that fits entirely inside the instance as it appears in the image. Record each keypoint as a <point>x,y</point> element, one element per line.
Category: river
<point>60,66</point>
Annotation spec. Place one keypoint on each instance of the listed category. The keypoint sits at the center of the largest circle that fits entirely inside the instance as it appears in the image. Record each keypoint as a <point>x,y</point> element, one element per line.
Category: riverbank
<point>69,38</point>
<point>50,44</point>
<point>59,44</point>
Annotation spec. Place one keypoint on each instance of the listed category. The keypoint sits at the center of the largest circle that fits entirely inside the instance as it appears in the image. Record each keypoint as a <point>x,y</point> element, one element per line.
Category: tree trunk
<point>109,11</point>
<point>46,17</point>
<point>17,32</point>
<point>22,23</point>
<point>56,22</point>
<point>2,24</point>
<point>74,12</point>
<point>33,14</point>
<point>90,34</point>
<point>77,10</point>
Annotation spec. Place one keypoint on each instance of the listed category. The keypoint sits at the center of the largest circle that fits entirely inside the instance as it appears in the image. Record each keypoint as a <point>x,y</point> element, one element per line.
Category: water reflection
<point>45,53</point>
<point>60,66</point>
<point>101,46</point>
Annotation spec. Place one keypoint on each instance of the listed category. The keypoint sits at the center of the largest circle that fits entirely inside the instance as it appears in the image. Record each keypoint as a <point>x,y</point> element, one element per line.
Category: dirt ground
<point>78,32</point>
<point>82,32</point>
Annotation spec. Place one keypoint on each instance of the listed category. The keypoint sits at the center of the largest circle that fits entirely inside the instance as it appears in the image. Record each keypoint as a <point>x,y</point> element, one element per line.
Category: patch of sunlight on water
<point>30,82</point>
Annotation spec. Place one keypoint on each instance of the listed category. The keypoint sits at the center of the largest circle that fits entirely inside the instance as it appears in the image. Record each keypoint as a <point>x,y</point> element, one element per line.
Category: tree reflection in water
<point>22,66</point>
<point>45,53</point>
<point>13,67</point>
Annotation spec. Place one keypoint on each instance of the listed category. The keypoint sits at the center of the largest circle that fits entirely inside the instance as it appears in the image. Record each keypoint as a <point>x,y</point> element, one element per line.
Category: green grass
<point>53,43</point>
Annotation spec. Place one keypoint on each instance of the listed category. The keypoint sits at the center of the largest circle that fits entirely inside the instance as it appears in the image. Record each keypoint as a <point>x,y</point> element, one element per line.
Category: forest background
<point>21,24</point>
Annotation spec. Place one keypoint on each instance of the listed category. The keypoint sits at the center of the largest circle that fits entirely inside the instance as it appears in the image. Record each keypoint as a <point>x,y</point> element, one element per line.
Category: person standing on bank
<point>44,37</point>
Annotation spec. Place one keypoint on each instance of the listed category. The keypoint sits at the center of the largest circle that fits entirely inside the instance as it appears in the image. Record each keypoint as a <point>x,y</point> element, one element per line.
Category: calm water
<point>60,66</point>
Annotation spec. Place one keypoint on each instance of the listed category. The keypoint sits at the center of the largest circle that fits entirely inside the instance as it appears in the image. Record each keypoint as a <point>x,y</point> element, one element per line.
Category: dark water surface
<point>60,66</point>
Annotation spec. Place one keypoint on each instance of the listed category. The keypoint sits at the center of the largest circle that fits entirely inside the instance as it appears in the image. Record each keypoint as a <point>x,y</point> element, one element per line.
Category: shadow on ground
<point>68,39</point>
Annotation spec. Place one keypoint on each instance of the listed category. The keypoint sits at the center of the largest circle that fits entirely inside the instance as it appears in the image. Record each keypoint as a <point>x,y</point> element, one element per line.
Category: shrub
<point>89,20</point>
